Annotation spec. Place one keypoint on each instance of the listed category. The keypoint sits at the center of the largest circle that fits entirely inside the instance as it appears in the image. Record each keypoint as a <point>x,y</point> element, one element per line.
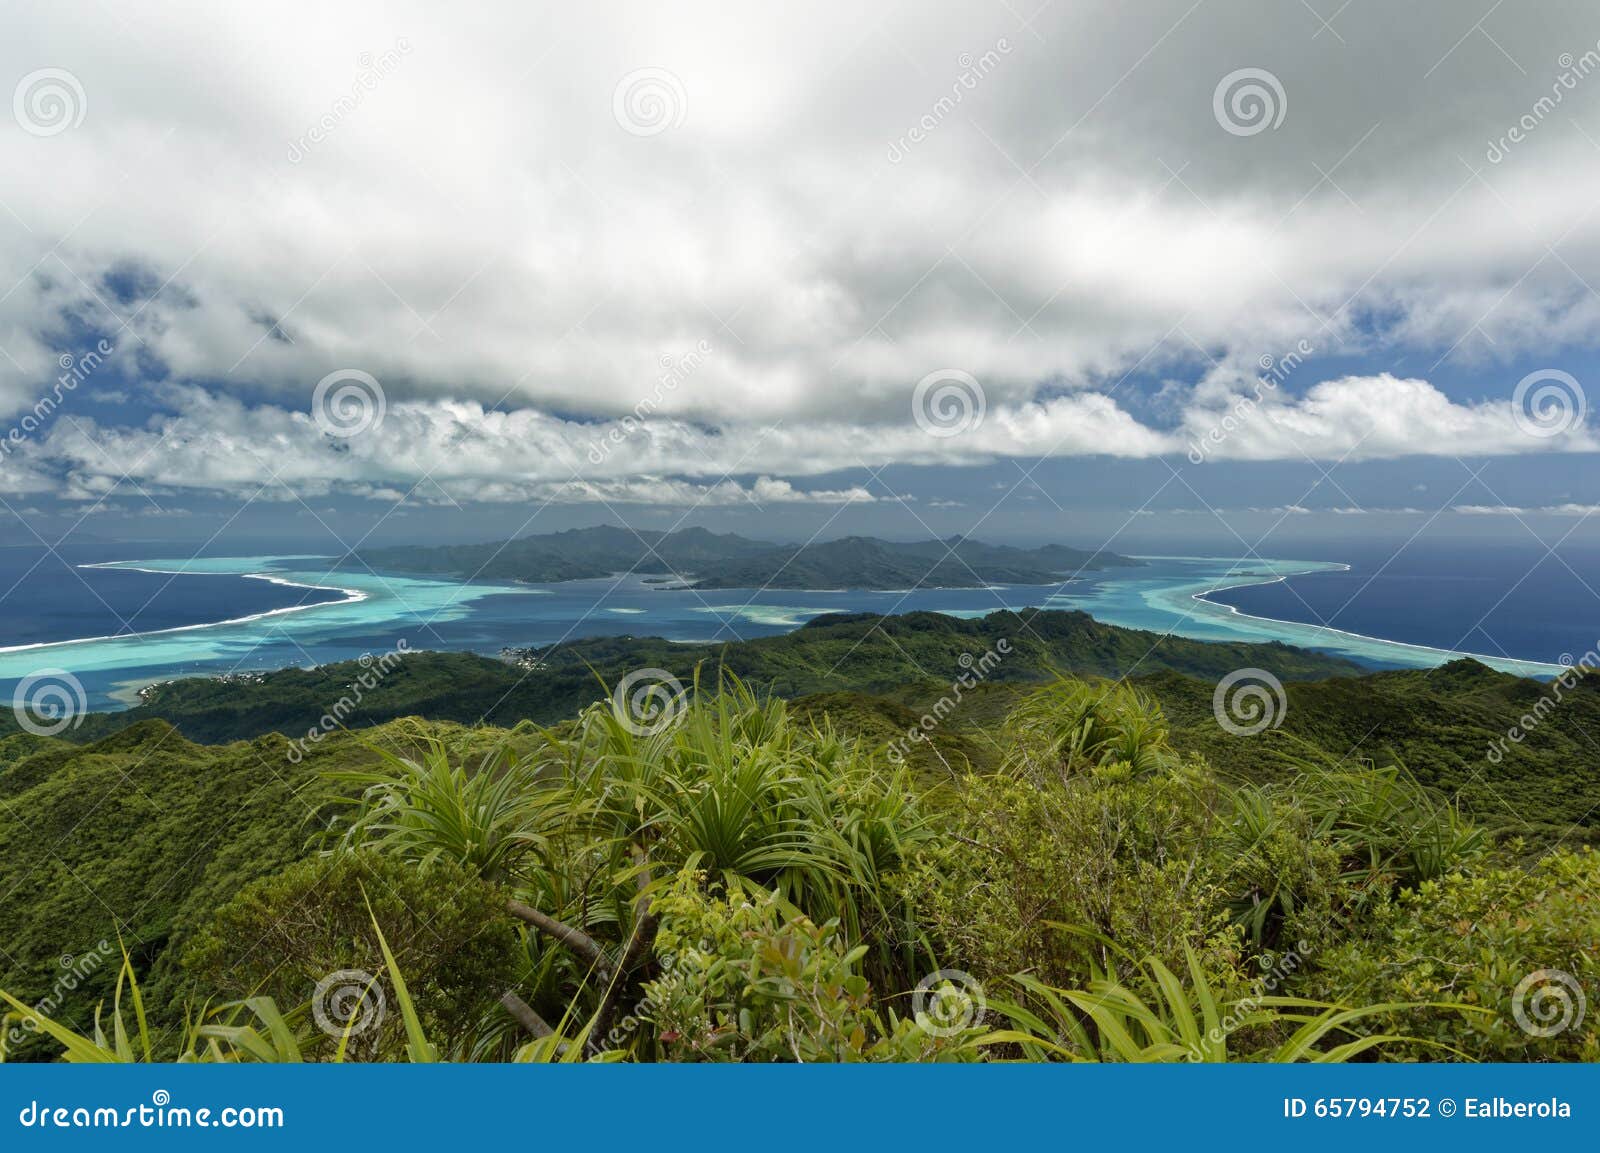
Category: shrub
<point>1033,874</point>
<point>1331,841</point>
<point>754,980</point>
<point>282,935</point>
<point>1475,940</point>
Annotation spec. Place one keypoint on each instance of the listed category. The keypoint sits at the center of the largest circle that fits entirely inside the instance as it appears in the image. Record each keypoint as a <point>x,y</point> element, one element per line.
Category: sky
<point>1097,272</point>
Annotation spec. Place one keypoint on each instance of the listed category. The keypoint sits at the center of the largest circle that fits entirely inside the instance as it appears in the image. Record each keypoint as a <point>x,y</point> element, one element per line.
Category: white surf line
<point>1543,668</point>
<point>352,596</point>
<point>1272,579</point>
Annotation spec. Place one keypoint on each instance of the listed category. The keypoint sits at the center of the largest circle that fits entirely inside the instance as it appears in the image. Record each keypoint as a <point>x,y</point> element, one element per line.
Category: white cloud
<point>1365,418</point>
<point>441,451</point>
<point>1579,510</point>
<point>476,227</point>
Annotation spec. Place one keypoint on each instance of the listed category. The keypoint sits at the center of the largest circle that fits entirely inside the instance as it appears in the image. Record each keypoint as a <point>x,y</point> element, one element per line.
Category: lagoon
<point>343,615</point>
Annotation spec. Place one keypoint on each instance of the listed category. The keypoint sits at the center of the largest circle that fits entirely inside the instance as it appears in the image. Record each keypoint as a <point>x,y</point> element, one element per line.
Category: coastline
<point>351,596</point>
<point>1533,668</point>
<point>1175,600</point>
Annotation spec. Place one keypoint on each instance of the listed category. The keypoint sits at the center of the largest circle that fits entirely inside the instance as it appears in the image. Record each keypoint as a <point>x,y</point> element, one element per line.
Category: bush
<point>1476,940</point>
<point>754,980</point>
<point>1283,880</point>
<point>1033,873</point>
<point>282,935</point>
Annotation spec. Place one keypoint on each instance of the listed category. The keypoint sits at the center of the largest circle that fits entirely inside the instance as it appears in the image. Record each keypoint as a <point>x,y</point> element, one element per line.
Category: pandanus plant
<point>1071,726</point>
<point>252,1030</point>
<point>1160,1017</point>
<point>726,783</point>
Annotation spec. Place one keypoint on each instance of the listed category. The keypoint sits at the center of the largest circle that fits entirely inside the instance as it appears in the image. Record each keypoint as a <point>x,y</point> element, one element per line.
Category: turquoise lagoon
<point>377,612</point>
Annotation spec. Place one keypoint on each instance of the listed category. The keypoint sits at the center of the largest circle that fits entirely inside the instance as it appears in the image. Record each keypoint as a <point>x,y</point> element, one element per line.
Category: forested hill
<point>706,559</point>
<point>181,841</point>
<point>878,675</point>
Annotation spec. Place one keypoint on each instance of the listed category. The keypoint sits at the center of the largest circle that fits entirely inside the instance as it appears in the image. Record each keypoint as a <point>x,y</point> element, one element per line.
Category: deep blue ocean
<point>49,596</point>
<point>1502,600</point>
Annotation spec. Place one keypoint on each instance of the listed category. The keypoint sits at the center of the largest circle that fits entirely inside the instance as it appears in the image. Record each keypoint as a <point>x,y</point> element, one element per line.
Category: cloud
<point>437,451</point>
<point>453,207</point>
<point>1366,418</point>
<point>1579,510</point>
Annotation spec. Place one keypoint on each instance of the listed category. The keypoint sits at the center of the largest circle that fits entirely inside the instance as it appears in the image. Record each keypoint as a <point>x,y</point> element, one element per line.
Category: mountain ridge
<point>699,558</point>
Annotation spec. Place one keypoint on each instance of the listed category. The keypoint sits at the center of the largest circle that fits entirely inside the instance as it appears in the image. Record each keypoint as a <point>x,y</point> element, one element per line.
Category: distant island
<point>698,558</point>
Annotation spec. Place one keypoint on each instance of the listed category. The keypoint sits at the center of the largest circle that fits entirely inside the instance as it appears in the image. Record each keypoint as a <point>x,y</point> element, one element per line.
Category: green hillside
<point>625,884</point>
<point>851,652</point>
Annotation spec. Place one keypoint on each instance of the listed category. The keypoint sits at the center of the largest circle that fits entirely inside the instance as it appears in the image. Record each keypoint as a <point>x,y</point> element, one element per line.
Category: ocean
<point>115,618</point>
<point>1503,600</point>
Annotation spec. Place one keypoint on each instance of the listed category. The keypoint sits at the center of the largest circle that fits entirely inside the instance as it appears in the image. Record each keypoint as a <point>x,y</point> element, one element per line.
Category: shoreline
<point>1371,652</point>
<point>1204,596</point>
<point>350,597</point>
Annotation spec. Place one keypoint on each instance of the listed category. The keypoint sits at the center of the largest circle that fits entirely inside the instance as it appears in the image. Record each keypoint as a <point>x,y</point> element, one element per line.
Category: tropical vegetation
<point>741,877</point>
